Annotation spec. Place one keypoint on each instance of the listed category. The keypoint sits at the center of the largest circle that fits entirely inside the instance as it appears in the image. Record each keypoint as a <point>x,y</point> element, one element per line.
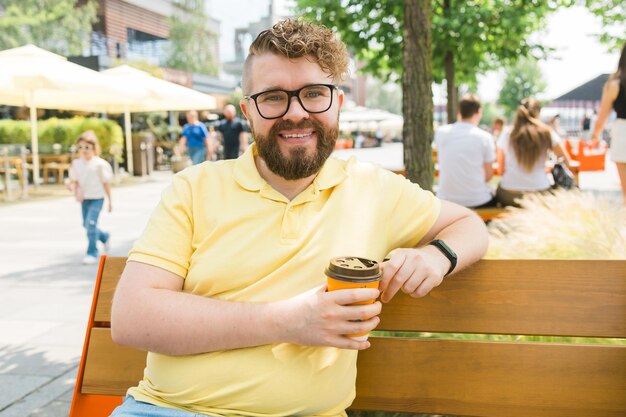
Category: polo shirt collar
<point>246,174</point>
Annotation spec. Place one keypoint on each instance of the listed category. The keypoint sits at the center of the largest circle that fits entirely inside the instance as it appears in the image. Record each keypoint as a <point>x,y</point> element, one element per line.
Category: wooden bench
<point>515,378</point>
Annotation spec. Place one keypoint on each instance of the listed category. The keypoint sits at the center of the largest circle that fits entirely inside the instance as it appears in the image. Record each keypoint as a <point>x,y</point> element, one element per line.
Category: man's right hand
<point>321,318</point>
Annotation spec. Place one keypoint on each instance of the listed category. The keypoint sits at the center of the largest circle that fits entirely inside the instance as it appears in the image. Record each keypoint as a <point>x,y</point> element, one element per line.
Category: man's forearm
<point>200,324</point>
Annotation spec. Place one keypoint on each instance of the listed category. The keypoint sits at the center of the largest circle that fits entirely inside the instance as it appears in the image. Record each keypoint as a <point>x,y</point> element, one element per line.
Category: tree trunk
<point>417,97</point>
<point>451,105</point>
<point>449,69</point>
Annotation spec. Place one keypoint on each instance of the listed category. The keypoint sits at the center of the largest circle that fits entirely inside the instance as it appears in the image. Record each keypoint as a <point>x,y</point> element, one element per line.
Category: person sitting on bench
<point>226,286</point>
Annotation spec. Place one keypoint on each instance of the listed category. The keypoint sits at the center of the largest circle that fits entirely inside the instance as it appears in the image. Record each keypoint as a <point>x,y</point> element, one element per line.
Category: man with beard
<point>226,287</point>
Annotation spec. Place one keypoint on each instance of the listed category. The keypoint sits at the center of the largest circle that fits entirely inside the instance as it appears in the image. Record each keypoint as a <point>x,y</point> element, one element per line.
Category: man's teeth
<point>299,135</point>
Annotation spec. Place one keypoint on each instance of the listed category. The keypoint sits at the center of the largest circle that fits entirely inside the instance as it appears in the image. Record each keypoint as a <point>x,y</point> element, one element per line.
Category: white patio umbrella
<point>33,77</point>
<point>360,117</point>
<point>162,96</point>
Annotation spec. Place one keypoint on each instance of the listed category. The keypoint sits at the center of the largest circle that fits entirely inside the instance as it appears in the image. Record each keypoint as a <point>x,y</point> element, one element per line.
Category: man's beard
<point>298,164</point>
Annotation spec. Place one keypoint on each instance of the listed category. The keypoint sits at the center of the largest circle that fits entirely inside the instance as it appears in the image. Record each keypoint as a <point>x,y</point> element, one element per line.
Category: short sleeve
<point>73,174</point>
<point>555,139</point>
<point>105,171</point>
<point>166,240</point>
<point>205,131</point>
<point>413,212</point>
<point>503,140</point>
<point>490,150</point>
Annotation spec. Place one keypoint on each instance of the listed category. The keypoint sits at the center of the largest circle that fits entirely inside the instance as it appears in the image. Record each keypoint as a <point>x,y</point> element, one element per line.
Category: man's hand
<point>320,318</point>
<point>415,271</point>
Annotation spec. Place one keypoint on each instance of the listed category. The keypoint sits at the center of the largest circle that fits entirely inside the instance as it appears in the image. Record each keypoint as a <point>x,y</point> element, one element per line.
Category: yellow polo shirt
<point>233,237</point>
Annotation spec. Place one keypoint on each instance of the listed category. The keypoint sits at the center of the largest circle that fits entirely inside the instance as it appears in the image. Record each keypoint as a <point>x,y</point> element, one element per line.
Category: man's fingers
<point>353,295</point>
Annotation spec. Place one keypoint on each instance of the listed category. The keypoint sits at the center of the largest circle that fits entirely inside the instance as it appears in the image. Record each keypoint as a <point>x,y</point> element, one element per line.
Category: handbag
<point>562,176</point>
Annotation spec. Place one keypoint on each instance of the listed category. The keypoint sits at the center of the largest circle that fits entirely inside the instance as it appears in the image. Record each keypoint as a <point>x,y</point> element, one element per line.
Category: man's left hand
<point>415,271</point>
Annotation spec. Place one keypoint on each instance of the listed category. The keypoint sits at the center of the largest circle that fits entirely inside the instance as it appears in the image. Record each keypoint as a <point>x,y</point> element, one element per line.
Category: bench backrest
<point>452,374</point>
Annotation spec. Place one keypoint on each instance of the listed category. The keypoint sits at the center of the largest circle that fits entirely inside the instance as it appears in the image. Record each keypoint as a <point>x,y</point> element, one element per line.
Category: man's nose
<point>296,111</point>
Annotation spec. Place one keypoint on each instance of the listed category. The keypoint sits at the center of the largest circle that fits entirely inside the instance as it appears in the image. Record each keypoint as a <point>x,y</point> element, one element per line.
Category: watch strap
<point>447,252</point>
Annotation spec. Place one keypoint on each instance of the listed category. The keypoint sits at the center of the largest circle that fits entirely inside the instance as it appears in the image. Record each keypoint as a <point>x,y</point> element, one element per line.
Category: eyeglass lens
<point>314,99</point>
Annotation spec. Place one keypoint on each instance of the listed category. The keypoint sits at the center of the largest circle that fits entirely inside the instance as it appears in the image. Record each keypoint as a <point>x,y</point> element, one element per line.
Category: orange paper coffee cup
<point>353,272</point>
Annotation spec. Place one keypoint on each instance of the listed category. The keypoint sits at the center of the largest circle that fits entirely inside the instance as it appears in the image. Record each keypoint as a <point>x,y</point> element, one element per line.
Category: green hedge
<point>63,132</point>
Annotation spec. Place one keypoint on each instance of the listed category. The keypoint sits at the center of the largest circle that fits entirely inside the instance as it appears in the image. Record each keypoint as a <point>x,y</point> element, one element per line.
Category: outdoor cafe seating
<point>16,163</point>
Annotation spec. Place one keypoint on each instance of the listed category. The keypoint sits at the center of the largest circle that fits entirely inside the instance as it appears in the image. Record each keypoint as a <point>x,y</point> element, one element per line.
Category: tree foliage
<point>612,14</point>
<point>385,96</point>
<point>190,39</point>
<point>56,25</point>
<point>480,35</point>
<point>524,79</point>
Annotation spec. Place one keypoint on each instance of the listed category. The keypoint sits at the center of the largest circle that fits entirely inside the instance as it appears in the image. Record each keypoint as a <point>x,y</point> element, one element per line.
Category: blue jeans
<point>133,408</point>
<point>197,154</point>
<point>91,211</point>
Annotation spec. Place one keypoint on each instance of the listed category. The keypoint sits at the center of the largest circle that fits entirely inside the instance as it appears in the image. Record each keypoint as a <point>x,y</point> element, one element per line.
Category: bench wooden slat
<point>111,369</point>
<point>535,297</point>
<point>474,377</point>
<point>492,379</point>
<point>111,274</point>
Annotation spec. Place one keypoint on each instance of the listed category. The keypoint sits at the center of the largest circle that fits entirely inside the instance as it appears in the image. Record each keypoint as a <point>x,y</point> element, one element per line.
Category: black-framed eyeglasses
<point>314,98</point>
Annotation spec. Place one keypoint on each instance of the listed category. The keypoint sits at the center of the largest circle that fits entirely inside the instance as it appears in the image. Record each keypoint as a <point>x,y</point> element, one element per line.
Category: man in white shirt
<point>465,155</point>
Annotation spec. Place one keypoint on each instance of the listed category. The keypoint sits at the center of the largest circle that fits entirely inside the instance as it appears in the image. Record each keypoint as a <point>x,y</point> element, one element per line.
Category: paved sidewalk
<point>45,292</point>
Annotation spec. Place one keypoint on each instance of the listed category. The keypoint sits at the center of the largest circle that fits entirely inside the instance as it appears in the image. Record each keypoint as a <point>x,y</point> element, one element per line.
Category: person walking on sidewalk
<point>234,133</point>
<point>195,139</point>
<point>89,179</point>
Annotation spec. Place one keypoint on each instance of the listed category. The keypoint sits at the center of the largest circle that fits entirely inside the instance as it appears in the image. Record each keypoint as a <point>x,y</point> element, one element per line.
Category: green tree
<point>385,96</point>
<point>417,97</point>
<point>524,79</point>
<point>612,14</point>
<point>190,39</point>
<point>469,37</point>
<point>56,25</point>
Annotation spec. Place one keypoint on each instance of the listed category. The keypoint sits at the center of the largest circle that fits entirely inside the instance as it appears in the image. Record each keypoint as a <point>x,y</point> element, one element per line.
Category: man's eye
<point>271,98</point>
<point>313,94</point>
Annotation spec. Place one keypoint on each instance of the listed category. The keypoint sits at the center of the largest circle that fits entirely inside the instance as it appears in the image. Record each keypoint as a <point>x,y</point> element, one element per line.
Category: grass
<point>562,225</point>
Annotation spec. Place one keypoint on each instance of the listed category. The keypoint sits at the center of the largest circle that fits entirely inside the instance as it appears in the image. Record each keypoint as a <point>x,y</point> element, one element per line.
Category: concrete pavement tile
<point>61,307</point>
<point>55,304</point>
<point>57,408</point>
<point>15,387</point>
<point>55,391</point>
<point>38,360</point>
<point>70,334</point>
<point>21,331</point>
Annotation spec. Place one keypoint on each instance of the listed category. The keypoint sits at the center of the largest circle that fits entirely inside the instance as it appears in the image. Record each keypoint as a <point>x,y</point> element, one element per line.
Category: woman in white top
<point>89,179</point>
<point>522,154</point>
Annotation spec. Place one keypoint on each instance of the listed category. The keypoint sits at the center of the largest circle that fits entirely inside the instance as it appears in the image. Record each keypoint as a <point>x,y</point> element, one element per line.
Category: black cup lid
<point>352,268</point>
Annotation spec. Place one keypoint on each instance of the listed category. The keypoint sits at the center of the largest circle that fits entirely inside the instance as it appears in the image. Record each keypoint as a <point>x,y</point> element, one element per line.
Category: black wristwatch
<point>447,252</point>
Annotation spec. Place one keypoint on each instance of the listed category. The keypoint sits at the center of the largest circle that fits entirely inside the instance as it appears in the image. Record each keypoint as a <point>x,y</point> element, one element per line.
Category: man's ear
<point>243,105</point>
<point>340,97</point>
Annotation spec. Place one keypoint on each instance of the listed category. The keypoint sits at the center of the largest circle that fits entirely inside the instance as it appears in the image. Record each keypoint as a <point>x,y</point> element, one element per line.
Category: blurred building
<point>576,103</point>
<point>137,31</point>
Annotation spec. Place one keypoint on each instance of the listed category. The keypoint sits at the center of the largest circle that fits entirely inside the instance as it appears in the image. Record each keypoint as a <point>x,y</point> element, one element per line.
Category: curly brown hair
<point>295,39</point>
